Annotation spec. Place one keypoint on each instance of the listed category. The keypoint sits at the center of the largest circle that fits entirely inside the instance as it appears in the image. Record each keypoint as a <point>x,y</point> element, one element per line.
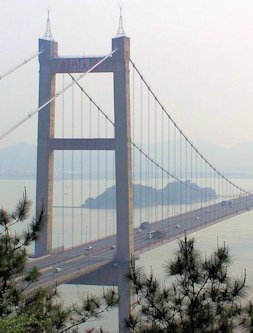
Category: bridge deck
<point>79,261</point>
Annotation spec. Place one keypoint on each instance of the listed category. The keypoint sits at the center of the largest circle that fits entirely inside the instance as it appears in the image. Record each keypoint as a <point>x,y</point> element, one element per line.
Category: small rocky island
<point>147,196</point>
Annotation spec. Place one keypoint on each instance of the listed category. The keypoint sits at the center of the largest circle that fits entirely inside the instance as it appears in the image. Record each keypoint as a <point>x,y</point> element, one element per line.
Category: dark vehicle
<point>156,234</point>
<point>144,225</point>
<point>226,203</point>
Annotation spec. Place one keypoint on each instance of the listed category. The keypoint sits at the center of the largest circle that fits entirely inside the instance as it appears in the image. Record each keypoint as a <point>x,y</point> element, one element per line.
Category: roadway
<point>67,265</point>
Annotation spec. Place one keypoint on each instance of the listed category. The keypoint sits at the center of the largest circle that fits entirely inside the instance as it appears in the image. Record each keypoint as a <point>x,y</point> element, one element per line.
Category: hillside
<point>147,196</point>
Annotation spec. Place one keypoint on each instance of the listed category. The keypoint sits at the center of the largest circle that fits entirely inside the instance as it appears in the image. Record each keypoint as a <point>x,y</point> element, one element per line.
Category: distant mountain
<point>19,160</point>
<point>147,196</point>
<point>237,159</point>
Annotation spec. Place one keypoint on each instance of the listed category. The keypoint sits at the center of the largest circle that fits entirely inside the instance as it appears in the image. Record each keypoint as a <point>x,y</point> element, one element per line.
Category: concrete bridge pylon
<point>118,65</point>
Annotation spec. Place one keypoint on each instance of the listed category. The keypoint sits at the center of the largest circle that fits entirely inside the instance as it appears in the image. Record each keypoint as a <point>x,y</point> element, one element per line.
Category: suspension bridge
<point>118,182</point>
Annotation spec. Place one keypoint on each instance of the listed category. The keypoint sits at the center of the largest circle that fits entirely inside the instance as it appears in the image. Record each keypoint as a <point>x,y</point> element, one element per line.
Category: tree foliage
<point>42,311</point>
<point>201,296</point>
<point>15,279</point>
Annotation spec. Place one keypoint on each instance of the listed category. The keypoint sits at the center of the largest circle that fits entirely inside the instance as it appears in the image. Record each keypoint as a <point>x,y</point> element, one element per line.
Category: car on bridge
<point>88,248</point>
<point>156,234</point>
<point>58,270</point>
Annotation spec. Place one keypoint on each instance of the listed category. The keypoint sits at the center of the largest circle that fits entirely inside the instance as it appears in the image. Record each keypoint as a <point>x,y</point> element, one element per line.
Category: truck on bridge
<point>144,225</point>
<point>156,234</point>
<point>227,203</point>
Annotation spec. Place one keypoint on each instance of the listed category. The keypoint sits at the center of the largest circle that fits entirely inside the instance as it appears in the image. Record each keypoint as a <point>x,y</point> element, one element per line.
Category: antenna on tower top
<point>48,33</point>
<point>120,31</point>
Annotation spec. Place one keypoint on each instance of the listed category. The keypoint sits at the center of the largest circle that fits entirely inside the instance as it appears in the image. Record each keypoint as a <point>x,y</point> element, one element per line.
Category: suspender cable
<point>206,175</point>
<point>91,100</point>
<point>191,191</point>
<point>180,131</point>
<point>98,176</point>
<point>162,134</point>
<point>63,163</point>
<point>149,167</point>
<point>90,174</point>
<point>196,173</point>
<point>174,177</point>
<point>140,155</point>
<point>169,204</point>
<point>133,114</point>
<point>146,199</point>
<point>185,176</point>
<point>155,173</point>
<point>138,149</point>
<point>106,184</point>
<point>133,136</point>
<point>114,226</point>
<point>175,172</point>
<point>82,199</point>
<point>180,174</point>
<point>202,183</point>
<point>72,166</point>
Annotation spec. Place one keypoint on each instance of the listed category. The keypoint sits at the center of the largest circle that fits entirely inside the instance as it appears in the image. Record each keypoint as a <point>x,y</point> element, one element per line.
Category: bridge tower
<point>118,64</point>
<point>45,154</point>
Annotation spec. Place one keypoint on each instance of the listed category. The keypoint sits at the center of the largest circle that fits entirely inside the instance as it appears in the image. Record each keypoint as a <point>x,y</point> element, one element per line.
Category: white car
<point>139,230</point>
<point>88,248</point>
<point>113,247</point>
<point>197,217</point>
<point>58,270</point>
<point>178,226</point>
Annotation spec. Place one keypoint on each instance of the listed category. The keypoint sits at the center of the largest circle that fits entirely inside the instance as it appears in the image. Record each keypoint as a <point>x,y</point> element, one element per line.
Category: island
<point>174,193</point>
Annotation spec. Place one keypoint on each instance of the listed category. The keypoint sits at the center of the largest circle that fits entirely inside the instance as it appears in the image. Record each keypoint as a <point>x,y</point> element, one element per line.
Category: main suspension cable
<point>21,122</point>
<point>181,132</point>
<point>25,61</point>
<point>175,177</point>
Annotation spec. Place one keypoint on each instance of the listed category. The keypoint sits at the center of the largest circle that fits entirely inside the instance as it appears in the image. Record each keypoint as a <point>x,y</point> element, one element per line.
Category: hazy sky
<point>196,55</point>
